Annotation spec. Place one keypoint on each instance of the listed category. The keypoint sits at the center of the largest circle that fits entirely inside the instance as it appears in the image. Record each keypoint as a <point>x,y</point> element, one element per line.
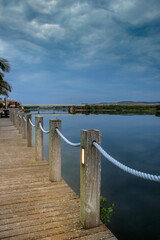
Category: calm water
<point>134,141</point>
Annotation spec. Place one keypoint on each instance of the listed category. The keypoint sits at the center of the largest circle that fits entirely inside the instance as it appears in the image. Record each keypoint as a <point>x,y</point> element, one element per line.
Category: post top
<point>38,116</point>
<point>55,120</point>
<point>90,130</point>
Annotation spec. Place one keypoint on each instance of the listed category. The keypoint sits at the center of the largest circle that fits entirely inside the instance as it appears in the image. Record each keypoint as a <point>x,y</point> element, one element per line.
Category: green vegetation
<point>105,213</point>
<point>1,105</point>
<point>5,87</point>
<point>117,109</point>
<point>9,104</point>
<point>158,111</point>
<point>17,105</point>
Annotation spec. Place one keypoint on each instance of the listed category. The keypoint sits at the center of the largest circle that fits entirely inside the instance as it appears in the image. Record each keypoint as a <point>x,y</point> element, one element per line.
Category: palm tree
<point>5,87</point>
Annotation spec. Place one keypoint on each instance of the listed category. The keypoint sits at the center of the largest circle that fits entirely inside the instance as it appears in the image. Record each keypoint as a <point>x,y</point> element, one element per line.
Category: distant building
<point>11,103</point>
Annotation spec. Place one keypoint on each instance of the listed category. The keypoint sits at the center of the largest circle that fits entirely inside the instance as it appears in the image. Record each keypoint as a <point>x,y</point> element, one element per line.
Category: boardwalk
<point>31,207</point>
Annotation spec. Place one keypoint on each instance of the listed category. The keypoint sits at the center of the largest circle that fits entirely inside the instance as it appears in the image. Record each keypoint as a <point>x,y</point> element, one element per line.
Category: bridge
<point>51,105</point>
<point>38,107</point>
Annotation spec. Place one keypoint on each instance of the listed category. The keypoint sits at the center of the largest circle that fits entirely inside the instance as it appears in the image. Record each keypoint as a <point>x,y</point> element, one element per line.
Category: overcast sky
<point>86,51</point>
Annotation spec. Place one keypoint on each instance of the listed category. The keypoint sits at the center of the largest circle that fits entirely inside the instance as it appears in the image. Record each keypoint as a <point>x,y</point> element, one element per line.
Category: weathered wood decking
<point>31,207</point>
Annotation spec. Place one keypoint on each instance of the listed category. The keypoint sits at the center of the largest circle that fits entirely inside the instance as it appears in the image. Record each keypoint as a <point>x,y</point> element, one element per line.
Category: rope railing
<point>147,176</point>
<point>125,168</point>
<point>40,125</point>
<point>31,123</point>
<point>24,119</point>
<point>66,140</point>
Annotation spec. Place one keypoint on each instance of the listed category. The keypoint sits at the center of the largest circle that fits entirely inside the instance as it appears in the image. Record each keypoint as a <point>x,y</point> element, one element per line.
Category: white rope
<point>24,118</point>
<point>66,140</point>
<point>19,116</point>
<point>125,168</point>
<point>40,125</point>
<point>31,123</point>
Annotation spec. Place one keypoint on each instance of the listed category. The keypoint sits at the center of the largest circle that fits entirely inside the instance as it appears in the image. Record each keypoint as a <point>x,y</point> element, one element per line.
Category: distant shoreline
<point>118,108</point>
<point>123,107</point>
<point>129,103</point>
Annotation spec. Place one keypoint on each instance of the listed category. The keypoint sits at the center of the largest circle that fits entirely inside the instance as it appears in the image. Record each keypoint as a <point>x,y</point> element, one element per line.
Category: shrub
<point>9,104</point>
<point>17,105</point>
<point>105,213</point>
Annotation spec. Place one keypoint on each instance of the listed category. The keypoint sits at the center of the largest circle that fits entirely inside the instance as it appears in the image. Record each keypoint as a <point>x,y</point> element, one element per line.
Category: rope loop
<point>40,125</point>
<point>66,140</point>
<point>125,168</point>
<point>31,123</point>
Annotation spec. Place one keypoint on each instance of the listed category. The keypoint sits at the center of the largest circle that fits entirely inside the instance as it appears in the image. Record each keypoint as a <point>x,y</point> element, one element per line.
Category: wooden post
<point>16,119</point>
<point>20,122</point>
<point>38,139</point>
<point>23,126</point>
<point>13,111</point>
<point>54,151</point>
<point>90,181</point>
<point>11,114</point>
<point>29,131</point>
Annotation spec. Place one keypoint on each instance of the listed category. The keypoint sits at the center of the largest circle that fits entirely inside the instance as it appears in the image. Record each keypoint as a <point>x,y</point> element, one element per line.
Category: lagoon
<point>134,141</point>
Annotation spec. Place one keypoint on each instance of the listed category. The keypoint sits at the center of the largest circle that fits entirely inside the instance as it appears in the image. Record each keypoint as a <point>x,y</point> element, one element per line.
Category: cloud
<point>43,6</point>
<point>134,11</point>
<point>21,52</point>
<point>45,31</point>
<point>82,34</point>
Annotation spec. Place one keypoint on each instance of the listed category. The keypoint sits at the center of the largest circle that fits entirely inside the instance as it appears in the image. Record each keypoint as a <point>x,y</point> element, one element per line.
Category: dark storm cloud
<point>85,28</point>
